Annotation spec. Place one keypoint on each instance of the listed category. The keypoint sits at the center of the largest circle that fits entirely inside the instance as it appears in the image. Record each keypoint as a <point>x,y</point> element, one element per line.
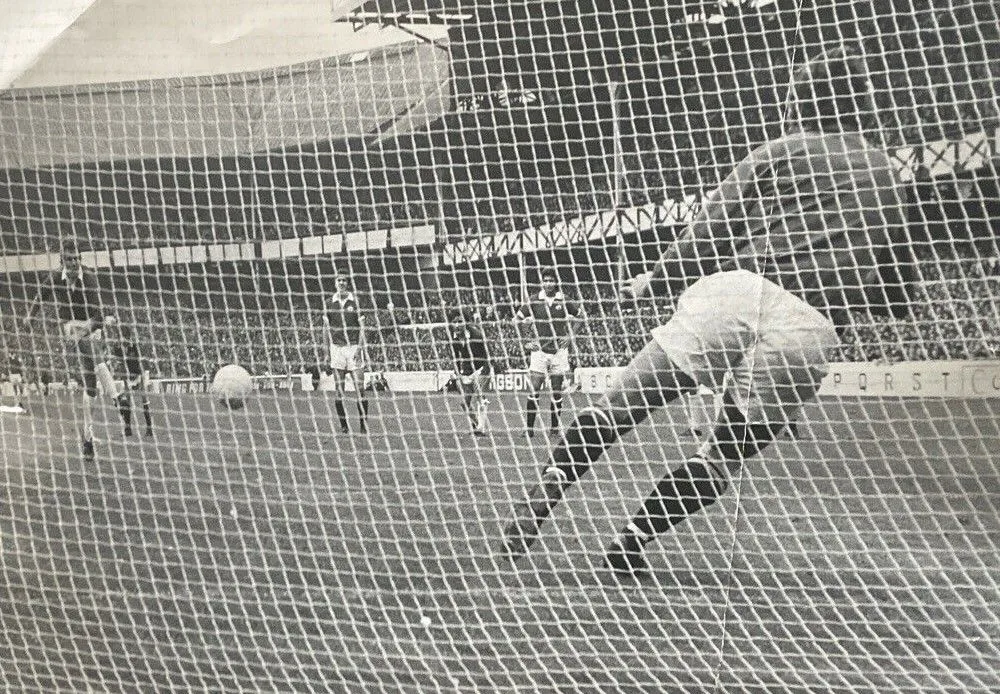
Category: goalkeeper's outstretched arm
<point>686,260</point>
<point>706,246</point>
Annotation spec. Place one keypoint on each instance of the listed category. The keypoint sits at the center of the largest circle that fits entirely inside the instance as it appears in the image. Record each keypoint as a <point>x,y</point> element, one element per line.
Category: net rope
<point>296,538</point>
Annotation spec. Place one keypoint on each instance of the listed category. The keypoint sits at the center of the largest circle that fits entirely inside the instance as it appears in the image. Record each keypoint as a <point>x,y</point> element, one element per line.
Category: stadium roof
<point>49,43</point>
<point>391,91</point>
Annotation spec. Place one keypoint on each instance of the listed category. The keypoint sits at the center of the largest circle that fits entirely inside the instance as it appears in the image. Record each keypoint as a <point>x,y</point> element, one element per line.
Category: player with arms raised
<point>805,228</point>
<point>76,294</point>
<point>344,325</point>
<point>551,315</point>
<point>472,365</point>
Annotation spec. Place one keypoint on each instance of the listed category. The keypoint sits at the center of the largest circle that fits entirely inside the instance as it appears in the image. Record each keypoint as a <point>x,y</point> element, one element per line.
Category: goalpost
<point>261,549</point>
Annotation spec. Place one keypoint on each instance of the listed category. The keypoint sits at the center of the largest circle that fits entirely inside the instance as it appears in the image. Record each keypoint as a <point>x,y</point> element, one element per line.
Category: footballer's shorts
<point>346,357</point>
<point>327,381</point>
<point>15,379</point>
<point>476,377</point>
<point>138,381</point>
<point>774,345</point>
<point>84,351</point>
<point>548,363</point>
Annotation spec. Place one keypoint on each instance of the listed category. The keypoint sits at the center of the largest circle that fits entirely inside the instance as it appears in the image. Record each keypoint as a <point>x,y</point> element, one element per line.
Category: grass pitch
<point>260,551</point>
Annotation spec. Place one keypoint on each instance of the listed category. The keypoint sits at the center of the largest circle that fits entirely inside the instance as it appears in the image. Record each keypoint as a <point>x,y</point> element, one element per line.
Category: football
<point>231,385</point>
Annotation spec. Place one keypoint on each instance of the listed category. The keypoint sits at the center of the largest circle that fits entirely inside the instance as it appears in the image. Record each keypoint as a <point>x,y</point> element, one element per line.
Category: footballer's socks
<point>125,410</point>
<point>338,405</point>
<point>363,414</point>
<point>532,412</point>
<point>88,418</point>
<point>583,442</point>
<point>555,408</point>
<point>626,555</point>
<point>680,493</point>
<point>522,530</point>
<point>482,409</point>
<point>148,417</point>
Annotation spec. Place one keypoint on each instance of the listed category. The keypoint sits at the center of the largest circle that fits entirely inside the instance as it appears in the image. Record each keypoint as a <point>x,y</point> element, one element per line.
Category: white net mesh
<point>260,548</point>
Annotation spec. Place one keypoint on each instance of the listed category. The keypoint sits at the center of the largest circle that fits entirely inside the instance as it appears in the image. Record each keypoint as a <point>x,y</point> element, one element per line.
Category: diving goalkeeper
<point>806,231</point>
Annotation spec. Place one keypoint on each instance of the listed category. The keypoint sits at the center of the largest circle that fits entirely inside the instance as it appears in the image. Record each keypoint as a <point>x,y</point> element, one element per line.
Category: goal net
<point>336,227</point>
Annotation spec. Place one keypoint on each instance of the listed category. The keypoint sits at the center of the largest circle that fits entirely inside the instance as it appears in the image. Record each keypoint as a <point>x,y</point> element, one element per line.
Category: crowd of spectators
<point>506,168</point>
<point>722,85</point>
<point>957,316</point>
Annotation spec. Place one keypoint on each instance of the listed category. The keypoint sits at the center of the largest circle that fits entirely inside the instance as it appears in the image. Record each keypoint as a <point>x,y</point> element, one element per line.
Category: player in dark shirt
<point>472,366</point>
<point>15,376</point>
<point>315,371</point>
<point>123,347</point>
<point>802,230</point>
<point>75,293</point>
<point>344,324</point>
<point>44,377</point>
<point>551,316</point>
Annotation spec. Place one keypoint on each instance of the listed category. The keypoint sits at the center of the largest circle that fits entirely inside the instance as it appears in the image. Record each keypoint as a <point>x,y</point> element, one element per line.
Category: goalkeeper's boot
<point>522,531</point>
<point>626,556</point>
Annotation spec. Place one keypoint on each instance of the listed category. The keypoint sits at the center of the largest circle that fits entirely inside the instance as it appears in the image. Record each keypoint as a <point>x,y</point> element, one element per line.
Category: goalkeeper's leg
<point>650,381</point>
<point>782,359</point>
<point>695,485</point>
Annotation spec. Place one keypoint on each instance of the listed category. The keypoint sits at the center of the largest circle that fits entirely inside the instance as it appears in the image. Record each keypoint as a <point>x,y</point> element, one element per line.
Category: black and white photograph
<point>533,346</point>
